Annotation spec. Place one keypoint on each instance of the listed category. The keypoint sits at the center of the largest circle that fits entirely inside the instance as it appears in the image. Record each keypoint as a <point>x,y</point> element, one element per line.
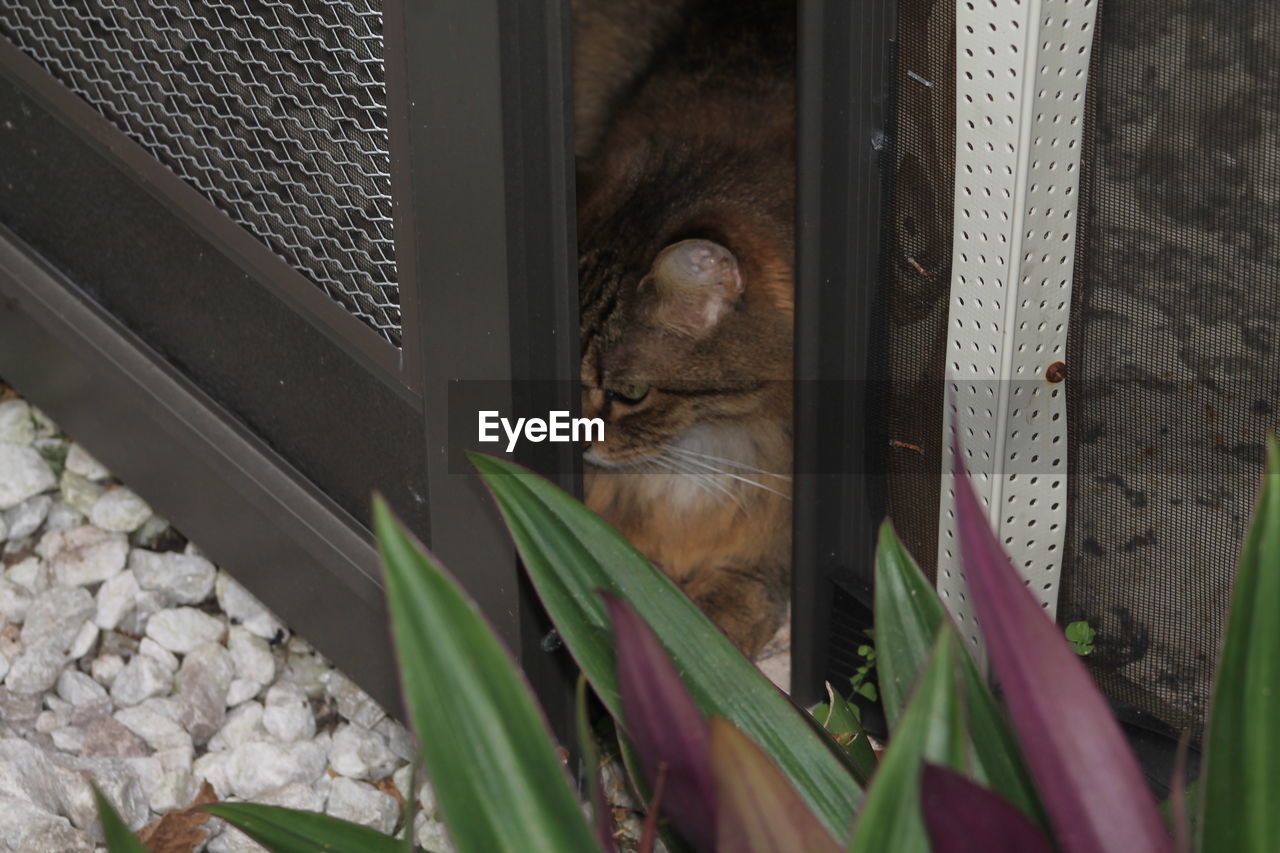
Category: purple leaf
<point>1087,777</point>
<point>759,810</point>
<point>961,816</point>
<point>664,724</point>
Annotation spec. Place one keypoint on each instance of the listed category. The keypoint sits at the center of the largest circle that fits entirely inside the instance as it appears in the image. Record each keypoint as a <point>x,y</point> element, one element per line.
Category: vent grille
<point>275,111</point>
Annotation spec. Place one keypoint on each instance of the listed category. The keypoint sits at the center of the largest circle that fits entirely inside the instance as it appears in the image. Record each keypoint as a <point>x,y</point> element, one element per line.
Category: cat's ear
<point>696,283</point>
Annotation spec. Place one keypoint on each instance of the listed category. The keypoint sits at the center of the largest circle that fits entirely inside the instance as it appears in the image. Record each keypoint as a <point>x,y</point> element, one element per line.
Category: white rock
<point>79,493</point>
<point>431,835</point>
<point>260,766</point>
<point>105,668</point>
<point>212,767</point>
<point>83,641</point>
<point>55,617</point>
<point>30,573</point>
<point>150,723</point>
<point>401,780</point>
<point>353,703</point>
<point>360,753</point>
<point>287,714</point>
<point>118,782</point>
<point>141,678</point>
<point>242,725</point>
<point>363,804</point>
<point>4,667</point>
<point>159,653</point>
<point>16,426</point>
<point>36,670</point>
<point>255,665</point>
<point>23,474</point>
<point>149,534</point>
<point>115,599</point>
<point>14,601</point>
<point>186,579</point>
<point>25,828</point>
<point>181,629</point>
<point>84,555</point>
<point>120,510</point>
<point>311,672</point>
<point>146,604</point>
<point>240,605</point>
<point>176,789</point>
<point>80,462</point>
<point>295,795</point>
<point>62,516</point>
<point>398,738</point>
<point>79,689</point>
<point>4,528</point>
<point>26,518</point>
<point>68,738</point>
<point>104,736</point>
<point>203,682</point>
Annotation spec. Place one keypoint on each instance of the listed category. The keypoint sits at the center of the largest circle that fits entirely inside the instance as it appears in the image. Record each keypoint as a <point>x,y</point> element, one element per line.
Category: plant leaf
<point>569,552</point>
<point>485,744</point>
<point>119,838</point>
<point>284,830</point>
<point>842,723</point>
<point>908,617</point>
<point>759,810</point>
<point>1088,779</point>
<point>664,724</point>
<point>932,727</point>
<point>1240,784</point>
<point>645,794</point>
<point>963,817</point>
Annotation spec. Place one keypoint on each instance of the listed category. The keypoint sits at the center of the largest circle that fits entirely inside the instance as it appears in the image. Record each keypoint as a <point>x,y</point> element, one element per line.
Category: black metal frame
<point>845,100</point>
<point>174,387</point>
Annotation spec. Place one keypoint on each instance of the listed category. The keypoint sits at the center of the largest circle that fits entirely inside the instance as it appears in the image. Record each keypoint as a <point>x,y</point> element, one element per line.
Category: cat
<point>685,135</point>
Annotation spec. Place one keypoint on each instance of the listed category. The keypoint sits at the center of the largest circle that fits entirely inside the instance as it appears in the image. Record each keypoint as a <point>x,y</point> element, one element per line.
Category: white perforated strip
<point>1022,67</point>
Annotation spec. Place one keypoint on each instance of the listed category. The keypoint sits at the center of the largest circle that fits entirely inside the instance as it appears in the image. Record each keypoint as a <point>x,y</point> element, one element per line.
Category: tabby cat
<point>685,123</point>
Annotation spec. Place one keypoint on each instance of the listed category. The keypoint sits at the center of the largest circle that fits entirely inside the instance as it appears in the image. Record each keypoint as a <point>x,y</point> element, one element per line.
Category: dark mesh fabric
<point>918,270</point>
<point>275,110</point>
<point>1175,352</point>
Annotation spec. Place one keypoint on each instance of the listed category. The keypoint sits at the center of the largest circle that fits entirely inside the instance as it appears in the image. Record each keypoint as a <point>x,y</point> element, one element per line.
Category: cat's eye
<point>631,394</point>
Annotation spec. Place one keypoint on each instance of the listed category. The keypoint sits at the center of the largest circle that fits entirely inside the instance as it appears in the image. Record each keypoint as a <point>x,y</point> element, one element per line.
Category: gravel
<point>132,662</point>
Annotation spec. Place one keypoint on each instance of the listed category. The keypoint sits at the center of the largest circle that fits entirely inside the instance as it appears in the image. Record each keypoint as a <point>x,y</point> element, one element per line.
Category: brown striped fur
<point>685,132</point>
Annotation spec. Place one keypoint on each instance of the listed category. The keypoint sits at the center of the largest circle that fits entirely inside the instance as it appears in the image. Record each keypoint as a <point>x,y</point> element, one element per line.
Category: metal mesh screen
<point>1176,345</point>
<point>917,271</point>
<point>275,110</point>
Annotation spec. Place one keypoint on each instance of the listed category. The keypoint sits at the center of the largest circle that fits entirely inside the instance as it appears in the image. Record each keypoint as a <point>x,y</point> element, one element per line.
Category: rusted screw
<point>1056,372</point>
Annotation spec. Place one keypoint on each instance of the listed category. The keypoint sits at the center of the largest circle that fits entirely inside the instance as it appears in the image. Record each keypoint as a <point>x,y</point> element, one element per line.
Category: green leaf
<point>119,838</point>
<point>908,615</point>
<point>569,552</point>
<point>291,831</point>
<point>1240,783</point>
<point>932,728</point>
<point>838,718</point>
<point>485,744</point>
<point>995,760</point>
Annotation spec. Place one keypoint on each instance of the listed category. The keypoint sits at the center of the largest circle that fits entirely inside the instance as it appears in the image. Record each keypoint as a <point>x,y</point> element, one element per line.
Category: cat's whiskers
<point>720,471</point>
<point>705,480</point>
<point>726,460</point>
